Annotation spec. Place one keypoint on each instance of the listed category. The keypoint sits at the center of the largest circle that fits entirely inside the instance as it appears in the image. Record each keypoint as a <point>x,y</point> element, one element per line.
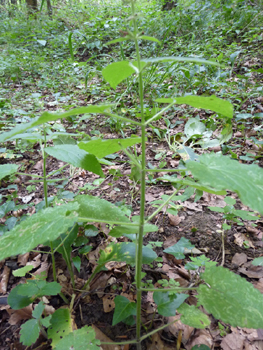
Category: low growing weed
<point>227,296</point>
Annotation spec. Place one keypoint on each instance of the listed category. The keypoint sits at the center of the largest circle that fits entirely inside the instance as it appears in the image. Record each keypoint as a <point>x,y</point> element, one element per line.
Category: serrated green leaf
<point>81,339</point>
<point>193,317</point>
<point>93,209</point>
<point>47,117</point>
<point>60,325</point>
<point>123,309</point>
<point>29,332</point>
<point>258,261</point>
<point>72,154</point>
<point>38,310</point>
<point>125,251</point>
<point>116,72</point>
<point>7,169</point>
<point>51,288</point>
<point>44,226</point>
<point>18,301</point>
<point>168,303</point>
<point>119,231</point>
<point>224,173</point>
<point>231,298</point>
<point>177,250</point>
<point>101,148</point>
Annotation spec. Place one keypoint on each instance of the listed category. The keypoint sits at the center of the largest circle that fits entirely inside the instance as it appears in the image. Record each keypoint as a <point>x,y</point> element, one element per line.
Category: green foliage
<point>124,311</point>
<point>237,301</point>
<point>7,169</point>
<point>193,317</point>
<point>80,339</point>
<point>60,325</point>
<point>167,302</point>
<point>177,250</point>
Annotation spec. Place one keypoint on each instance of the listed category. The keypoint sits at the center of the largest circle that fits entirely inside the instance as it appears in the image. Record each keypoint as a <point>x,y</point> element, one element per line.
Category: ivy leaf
<point>177,250</point>
<point>81,339</point>
<point>193,317</point>
<point>72,154</point>
<point>224,173</point>
<point>231,298</point>
<point>168,302</point>
<point>124,308</point>
<point>29,332</point>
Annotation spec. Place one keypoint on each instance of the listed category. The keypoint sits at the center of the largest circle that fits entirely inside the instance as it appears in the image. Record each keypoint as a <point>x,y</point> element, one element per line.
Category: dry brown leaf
<point>252,271</point>
<point>19,315</point>
<point>156,343</point>
<point>259,285</point>
<point>4,280</point>
<point>174,220</point>
<point>239,259</point>
<point>43,268</point>
<point>193,206</point>
<point>240,238</point>
<point>23,259</point>
<point>100,282</point>
<point>201,336</point>
<point>149,197</point>
<point>108,303</point>
<point>179,326</point>
<point>103,338</point>
<point>232,341</point>
<point>115,265</point>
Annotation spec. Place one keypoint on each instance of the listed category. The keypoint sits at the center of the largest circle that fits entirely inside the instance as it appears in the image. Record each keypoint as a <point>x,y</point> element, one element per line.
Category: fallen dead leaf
<point>174,220</point>
<point>108,303</point>
<point>240,238</point>
<point>179,326</point>
<point>259,285</point>
<point>23,259</point>
<point>252,271</point>
<point>19,315</point>
<point>103,338</point>
<point>239,259</point>
<point>201,336</point>
<point>156,343</point>
<point>5,279</point>
<point>232,341</point>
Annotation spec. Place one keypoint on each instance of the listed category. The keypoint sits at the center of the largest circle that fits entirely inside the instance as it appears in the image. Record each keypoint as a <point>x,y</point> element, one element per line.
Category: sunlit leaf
<point>231,298</point>
<point>193,317</point>
<point>80,339</point>
<point>7,169</point>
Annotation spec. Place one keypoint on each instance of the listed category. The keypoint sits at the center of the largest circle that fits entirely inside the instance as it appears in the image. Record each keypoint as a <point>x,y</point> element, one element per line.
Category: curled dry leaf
<point>179,326</point>
<point>23,259</point>
<point>201,336</point>
<point>174,220</point>
<point>232,341</point>
<point>4,280</point>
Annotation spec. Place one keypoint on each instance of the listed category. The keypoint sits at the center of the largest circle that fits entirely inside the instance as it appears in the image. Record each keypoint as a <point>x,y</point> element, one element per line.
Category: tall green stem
<point>139,244</point>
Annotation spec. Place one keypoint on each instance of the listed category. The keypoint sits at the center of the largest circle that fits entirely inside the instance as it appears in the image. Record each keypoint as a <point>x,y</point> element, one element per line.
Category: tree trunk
<point>32,6</point>
<point>168,5</point>
<point>49,8</point>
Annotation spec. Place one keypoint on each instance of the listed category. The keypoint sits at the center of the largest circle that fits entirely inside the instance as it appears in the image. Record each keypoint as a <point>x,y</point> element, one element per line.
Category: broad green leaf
<point>93,209</point>
<point>167,302</point>
<point>177,250</point>
<point>125,251</point>
<point>73,155</point>
<point>47,117</point>
<point>44,226</point>
<point>29,332</point>
<point>28,136</point>
<point>258,261</point>
<point>23,271</point>
<point>116,72</point>
<point>101,148</point>
<point>80,339</point>
<point>149,38</point>
<point>231,298</point>
<point>194,127</point>
<point>245,215</point>
<point>7,169</point>
<point>193,317</point>
<point>212,103</point>
<point>224,173</point>
<point>119,231</point>
<point>60,325</point>
<point>123,309</point>
<point>180,59</point>
<point>38,310</point>
<point>18,301</point>
<point>191,183</point>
